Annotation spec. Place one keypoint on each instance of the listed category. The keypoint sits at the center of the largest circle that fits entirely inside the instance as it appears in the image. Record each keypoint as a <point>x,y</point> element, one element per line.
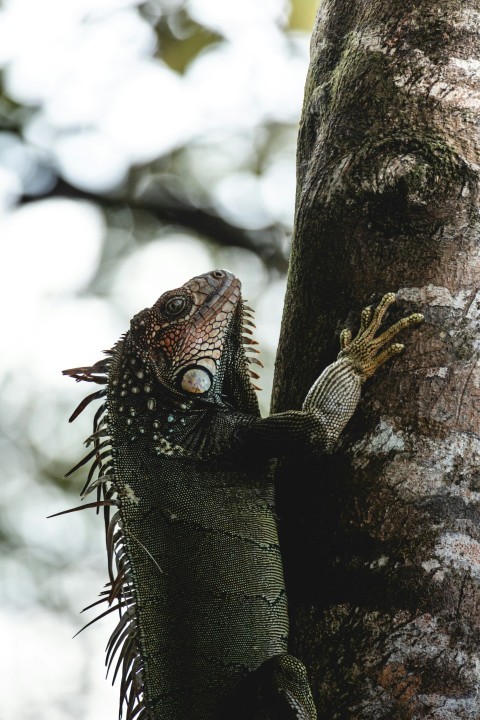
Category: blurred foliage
<point>224,191</point>
<point>302,15</point>
<point>181,39</point>
<point>171,185</point>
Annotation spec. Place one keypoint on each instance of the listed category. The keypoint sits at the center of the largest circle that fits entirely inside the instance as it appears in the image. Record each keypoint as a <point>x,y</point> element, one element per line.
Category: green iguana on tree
<point>183,458</point>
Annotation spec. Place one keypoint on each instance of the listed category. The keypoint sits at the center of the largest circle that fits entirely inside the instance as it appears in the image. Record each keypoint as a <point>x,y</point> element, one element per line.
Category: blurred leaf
<point>181,39</point>
<point>12,114</point>
<point>302,15</point>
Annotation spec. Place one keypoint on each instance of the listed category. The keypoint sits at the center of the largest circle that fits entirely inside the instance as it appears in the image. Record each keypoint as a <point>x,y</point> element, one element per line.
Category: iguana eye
<point>175,306</point>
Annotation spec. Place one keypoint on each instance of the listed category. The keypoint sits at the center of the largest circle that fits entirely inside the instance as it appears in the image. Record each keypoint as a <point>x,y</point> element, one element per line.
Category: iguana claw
<point>365,350</point>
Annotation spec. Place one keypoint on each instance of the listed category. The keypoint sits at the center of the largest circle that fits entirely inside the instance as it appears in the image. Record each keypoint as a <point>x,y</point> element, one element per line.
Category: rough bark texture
<point>382,538</point>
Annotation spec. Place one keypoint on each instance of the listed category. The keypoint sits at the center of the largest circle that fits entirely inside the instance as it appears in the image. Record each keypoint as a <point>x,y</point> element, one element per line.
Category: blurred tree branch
<point>269,243</point>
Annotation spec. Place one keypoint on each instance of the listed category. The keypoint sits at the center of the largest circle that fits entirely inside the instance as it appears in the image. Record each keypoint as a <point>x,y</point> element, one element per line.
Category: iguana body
<point>183,455</point>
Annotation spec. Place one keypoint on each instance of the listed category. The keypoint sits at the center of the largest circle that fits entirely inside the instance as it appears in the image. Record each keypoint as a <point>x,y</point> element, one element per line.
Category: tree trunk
<point>382,538</point>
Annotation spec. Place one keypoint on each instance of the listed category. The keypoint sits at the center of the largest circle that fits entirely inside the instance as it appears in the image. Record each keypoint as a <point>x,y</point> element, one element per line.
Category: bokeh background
<point>141,143</point>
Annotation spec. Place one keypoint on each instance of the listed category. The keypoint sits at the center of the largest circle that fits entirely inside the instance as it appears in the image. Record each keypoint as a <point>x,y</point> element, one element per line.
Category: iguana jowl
<point>182,457</point>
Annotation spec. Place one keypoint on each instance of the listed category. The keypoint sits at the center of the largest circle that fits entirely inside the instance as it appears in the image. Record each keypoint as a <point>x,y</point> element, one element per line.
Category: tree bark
<point>382,539</point>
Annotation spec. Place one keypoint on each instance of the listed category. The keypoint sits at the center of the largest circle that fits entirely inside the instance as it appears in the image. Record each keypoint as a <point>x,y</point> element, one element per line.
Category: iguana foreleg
<point>332,399</point>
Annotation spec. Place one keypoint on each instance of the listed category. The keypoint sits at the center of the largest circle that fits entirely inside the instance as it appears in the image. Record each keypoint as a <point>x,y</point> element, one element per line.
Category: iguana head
<point>185,339</point>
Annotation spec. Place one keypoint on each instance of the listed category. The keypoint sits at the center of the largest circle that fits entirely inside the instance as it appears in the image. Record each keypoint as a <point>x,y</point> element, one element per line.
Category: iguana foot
<point>367,352</point>
<point>277,690</point>
<point>285,689</point>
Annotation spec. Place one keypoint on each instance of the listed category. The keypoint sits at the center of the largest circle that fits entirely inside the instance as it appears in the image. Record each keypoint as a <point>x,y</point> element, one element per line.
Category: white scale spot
<point>130,495</point>
<point>166,448</point>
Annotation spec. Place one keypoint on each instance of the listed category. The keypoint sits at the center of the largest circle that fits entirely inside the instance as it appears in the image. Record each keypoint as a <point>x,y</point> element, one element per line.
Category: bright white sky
<point>103,104</point>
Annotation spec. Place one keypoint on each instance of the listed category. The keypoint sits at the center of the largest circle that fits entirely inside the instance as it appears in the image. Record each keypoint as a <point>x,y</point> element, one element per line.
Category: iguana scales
<point>181,468</point>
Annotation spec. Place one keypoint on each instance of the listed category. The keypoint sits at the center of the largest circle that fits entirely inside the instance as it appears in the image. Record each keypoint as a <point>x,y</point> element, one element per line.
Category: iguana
<point>181,455</point>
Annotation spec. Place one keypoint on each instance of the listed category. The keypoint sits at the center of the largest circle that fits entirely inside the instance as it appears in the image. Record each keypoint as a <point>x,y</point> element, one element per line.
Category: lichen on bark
<point>382,539</point>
